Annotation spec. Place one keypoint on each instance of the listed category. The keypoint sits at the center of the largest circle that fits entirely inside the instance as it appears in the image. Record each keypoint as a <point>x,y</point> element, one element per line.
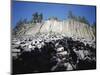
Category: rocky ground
<point>51,53</point>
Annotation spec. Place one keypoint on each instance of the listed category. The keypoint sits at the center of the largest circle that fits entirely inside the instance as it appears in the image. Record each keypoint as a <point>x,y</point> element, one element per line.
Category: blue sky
<point>22,9</point>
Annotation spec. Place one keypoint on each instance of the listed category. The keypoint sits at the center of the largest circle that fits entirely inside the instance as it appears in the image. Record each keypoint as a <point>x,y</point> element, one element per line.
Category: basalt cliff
<point>69,28</point>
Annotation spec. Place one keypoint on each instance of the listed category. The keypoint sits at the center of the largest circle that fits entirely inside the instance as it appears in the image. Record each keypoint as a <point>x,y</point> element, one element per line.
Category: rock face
<point>70,28</point>
<point>52,26</point>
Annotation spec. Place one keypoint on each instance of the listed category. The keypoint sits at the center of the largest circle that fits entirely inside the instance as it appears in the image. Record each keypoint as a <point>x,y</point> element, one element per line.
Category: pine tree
<point>70,15</point>
<point>84,20</point>
<point>41,17</point>
<point>35,17</point>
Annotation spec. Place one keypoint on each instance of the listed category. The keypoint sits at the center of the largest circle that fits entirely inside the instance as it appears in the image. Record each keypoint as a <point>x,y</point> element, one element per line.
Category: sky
<point>22,9</point>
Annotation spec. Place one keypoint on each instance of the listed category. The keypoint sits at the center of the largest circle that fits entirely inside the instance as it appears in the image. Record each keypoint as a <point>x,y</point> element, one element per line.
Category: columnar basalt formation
<point>69,28</point>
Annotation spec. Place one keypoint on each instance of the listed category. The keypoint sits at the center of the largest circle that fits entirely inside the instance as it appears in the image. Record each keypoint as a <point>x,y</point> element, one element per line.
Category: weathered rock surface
<point>69,28</point>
